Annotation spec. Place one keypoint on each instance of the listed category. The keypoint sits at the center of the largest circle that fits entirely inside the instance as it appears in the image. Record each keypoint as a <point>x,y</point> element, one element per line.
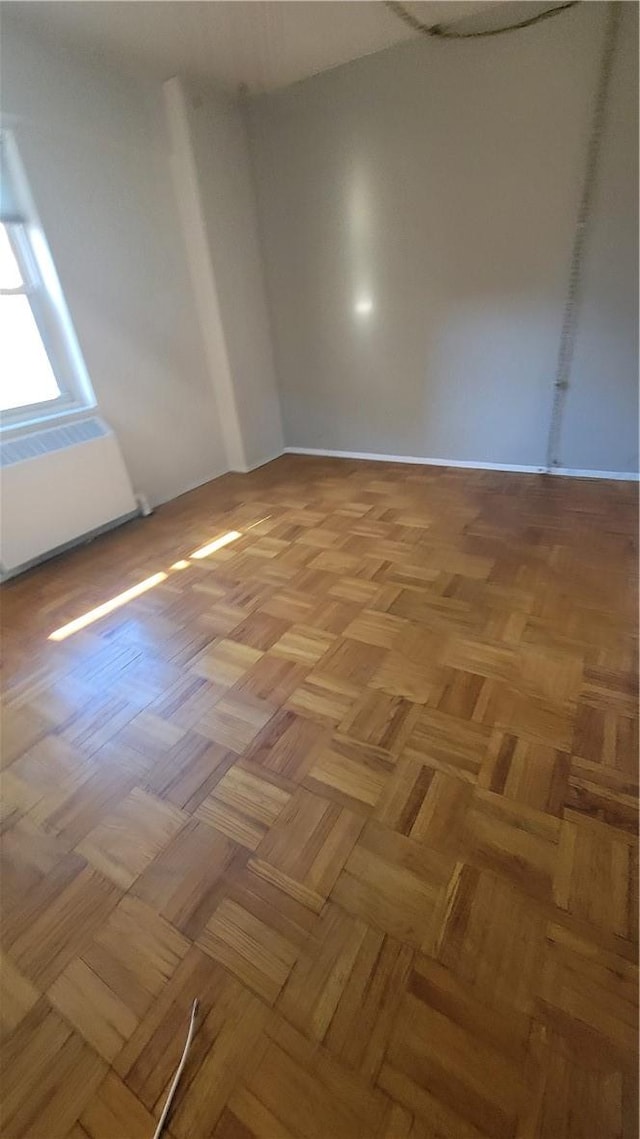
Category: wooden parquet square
<point>258,955</point>
<point>364,781</point>
<point>123,844</point>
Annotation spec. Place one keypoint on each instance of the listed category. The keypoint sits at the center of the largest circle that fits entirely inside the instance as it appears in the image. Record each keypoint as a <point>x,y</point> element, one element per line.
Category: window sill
<point>11,427</point>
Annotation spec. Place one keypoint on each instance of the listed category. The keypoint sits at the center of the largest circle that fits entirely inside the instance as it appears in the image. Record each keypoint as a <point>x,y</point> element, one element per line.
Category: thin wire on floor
<point>176,1079</point>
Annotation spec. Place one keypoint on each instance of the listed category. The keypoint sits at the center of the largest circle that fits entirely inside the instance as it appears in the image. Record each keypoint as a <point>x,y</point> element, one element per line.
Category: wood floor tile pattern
<point>364,781</point>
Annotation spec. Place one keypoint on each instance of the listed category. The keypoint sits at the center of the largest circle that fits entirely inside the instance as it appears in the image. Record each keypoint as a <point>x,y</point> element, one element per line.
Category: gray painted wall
<point>221,152</point>
<point>436,184</point>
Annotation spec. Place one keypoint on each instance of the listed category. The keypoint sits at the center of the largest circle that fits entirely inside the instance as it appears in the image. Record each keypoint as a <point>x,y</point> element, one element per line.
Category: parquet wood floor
<point>363,780</point>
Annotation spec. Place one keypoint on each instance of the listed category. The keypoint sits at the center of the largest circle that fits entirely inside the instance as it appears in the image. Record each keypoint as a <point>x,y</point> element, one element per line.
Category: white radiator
<point>57,486</point>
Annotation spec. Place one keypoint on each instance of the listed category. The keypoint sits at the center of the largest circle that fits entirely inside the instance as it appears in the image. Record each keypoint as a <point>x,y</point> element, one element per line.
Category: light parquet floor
<point>364,781</point>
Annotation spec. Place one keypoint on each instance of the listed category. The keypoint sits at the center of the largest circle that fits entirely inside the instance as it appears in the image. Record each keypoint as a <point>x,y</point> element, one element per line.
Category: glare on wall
<point>363,306</point>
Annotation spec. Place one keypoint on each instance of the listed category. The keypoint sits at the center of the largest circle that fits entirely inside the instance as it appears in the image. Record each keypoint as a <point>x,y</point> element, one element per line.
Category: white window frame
<point>42,289</point>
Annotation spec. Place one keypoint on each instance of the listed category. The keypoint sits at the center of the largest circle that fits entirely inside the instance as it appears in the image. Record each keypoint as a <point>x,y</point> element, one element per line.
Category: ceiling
<point>258,45</point>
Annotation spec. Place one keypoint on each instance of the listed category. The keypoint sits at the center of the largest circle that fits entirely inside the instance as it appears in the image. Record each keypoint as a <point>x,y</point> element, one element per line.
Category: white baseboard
<point>413,460</point>
<point>195,485</point>
<point>619,476</point>
<point>254,466</point>
<point>514,468</point>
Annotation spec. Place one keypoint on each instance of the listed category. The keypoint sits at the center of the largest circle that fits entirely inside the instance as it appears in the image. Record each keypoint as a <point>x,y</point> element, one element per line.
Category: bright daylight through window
<point>41,368</point>
<point>26,375</point>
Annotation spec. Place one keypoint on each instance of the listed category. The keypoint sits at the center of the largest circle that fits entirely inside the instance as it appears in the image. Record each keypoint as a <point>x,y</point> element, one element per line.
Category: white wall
<point>221,152</point>
<point>440,180</point>
<point>95,152</point>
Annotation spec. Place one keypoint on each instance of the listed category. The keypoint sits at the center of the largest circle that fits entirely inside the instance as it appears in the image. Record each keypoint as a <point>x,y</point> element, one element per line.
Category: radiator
<point>58,486</point>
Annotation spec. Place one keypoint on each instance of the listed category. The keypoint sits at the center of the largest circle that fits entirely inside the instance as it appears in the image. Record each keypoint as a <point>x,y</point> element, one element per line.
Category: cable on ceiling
<point>443,32</point>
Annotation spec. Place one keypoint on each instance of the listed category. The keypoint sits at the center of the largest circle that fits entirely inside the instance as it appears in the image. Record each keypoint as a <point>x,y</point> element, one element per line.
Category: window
<point>26,375</point>
<point>41,370</point>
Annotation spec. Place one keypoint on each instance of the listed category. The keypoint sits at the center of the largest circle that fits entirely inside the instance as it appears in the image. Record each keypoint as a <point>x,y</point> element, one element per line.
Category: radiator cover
<point>57,486</point>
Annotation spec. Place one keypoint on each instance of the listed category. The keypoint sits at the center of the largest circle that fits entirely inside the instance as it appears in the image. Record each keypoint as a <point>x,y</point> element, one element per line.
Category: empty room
<point>318,551</point>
